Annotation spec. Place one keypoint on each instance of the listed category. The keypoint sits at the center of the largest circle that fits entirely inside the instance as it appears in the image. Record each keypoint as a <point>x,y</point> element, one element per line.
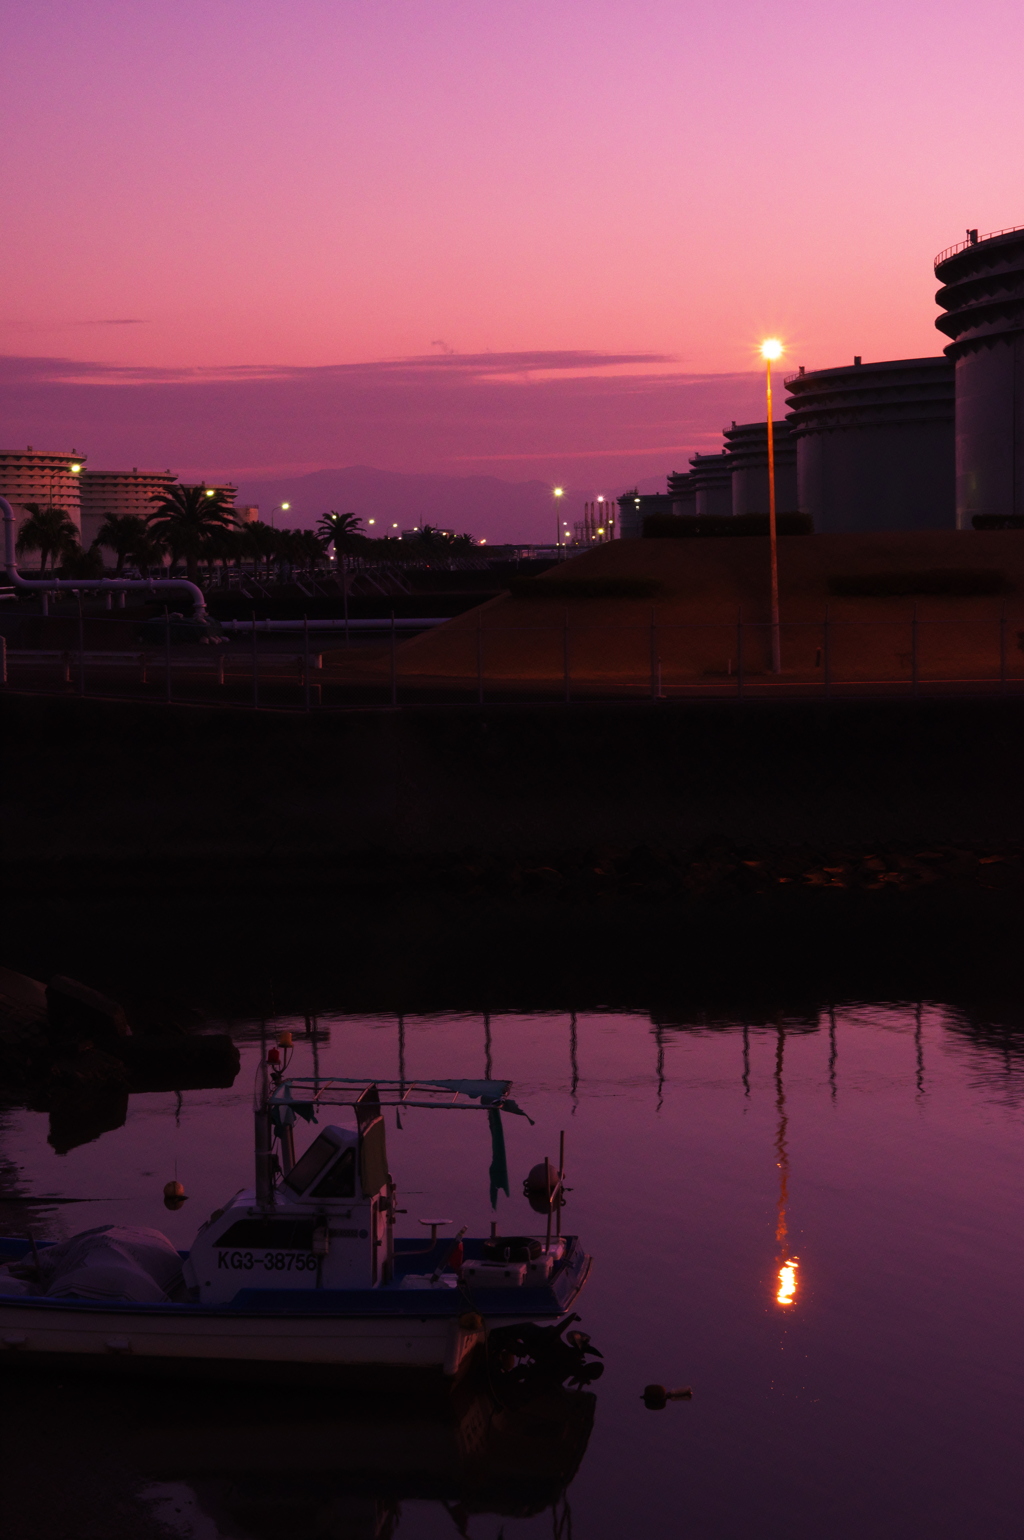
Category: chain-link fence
<point>474,659</point>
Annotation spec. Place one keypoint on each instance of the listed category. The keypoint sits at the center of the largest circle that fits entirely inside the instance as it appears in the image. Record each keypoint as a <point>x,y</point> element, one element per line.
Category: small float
<point>302,1275</point>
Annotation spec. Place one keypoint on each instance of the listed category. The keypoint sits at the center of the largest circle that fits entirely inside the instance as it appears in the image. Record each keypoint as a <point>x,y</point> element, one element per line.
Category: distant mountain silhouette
<point>483,506</point>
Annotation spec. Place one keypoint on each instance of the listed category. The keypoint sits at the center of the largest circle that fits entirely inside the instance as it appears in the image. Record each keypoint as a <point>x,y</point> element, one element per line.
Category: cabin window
<point>269,1235</point>
<point>340,1181</point>
<point>305,1171</point>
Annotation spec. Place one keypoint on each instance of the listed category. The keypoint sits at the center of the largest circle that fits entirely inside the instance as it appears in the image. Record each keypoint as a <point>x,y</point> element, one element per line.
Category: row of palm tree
<point>193,524</point>
<point>196,524</point>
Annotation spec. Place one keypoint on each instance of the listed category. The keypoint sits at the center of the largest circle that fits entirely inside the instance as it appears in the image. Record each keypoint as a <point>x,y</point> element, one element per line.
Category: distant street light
<point>557,492</point>
<point>772,348</point>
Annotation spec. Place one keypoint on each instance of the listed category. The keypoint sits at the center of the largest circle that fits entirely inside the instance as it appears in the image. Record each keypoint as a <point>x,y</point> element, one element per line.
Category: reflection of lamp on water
<point>787,1282</point>
<point>786,1292</point>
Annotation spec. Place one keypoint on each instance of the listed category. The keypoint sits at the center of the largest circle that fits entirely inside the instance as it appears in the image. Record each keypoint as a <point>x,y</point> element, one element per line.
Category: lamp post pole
<point>769,350</point>
<point>557,493</point>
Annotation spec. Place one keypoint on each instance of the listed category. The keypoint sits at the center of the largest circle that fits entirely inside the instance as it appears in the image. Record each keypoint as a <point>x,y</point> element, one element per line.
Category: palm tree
<point>185,517</point>
<point>49,531</point>
<point>310,548</point>
<point>149,551</point>
<point>122,533</point>
<point>225,546</point>
<point>342,531</point>
<point>262,542</point>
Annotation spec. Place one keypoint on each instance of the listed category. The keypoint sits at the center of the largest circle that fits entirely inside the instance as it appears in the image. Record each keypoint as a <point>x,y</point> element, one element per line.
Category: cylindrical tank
<point>683,493</point>
<point>875,445</point>
<point>983,296</point>
<point>712,483</point>
<point>747,445</point>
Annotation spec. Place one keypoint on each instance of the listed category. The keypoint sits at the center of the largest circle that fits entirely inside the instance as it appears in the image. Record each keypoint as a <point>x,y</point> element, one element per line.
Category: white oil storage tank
<point>747,447</point>
<point>982,295</point>
<point>711,480</point>
<point>874,444</point>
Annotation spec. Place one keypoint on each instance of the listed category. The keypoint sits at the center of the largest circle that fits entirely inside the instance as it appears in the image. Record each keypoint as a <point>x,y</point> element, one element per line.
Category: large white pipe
<point>102,585</point>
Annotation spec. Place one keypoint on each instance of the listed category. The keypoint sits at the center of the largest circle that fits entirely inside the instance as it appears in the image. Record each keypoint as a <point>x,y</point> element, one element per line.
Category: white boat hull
<point>442,1345</point>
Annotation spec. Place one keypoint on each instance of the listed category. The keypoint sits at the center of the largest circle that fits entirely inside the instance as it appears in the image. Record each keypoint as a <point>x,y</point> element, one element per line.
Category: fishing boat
<point>301,1274</point>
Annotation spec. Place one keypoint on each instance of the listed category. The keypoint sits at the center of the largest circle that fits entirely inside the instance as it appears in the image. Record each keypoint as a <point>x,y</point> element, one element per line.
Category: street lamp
<point>772,348</point>
<point>557,493</point>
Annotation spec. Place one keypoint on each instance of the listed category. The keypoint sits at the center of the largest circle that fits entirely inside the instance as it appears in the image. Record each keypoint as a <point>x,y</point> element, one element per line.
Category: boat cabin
<point>327,1225</point>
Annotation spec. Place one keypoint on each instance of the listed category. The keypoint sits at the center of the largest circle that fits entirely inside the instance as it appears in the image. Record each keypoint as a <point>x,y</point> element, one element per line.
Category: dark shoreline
<point>291,938</point>
<point>705,856</point>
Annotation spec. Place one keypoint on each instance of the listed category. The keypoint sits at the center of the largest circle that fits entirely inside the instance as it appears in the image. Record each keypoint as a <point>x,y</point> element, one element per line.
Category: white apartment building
<point>43,476</point>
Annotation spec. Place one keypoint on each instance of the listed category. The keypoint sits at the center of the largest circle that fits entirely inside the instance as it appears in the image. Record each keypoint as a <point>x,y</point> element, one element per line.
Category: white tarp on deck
<point>113,1262</point>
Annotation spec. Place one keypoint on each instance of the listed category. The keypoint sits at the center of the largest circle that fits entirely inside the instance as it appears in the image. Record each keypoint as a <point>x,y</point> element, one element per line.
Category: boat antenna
<point>264,1157</point>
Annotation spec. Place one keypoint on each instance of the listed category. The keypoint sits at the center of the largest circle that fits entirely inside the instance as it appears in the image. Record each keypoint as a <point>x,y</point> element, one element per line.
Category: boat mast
<point>264,1147</point>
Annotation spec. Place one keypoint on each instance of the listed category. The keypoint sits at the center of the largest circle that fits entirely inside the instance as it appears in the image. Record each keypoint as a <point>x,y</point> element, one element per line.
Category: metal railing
<point>561,661</point>
<point>951,251</point>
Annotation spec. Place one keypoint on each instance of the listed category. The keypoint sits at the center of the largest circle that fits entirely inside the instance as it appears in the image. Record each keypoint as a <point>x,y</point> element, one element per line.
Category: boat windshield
<point>340,1181</point>
<point>306,1170</point>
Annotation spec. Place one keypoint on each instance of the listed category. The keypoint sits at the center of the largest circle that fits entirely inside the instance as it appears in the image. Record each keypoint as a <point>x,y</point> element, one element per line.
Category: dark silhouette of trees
<point>50,531</point>
<point>126,534</point>
<point>185,518</point>
<point>261,542</point>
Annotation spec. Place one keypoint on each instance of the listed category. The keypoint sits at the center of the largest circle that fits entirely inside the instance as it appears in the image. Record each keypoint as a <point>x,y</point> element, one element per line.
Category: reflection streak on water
<point>787,1282</point>
<point>787,1271</point>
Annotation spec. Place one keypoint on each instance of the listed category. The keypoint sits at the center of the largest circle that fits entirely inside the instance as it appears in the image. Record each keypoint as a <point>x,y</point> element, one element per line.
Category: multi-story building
<point>228,493</point>
<point>118,492</point>
<point>52,479</point>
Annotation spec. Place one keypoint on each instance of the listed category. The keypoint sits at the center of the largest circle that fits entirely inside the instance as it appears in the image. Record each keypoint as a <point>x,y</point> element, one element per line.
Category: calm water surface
<point>815,1223</point>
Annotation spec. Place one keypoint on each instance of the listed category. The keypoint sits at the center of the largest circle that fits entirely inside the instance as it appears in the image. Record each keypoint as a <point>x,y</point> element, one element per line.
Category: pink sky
<point>298,186</point>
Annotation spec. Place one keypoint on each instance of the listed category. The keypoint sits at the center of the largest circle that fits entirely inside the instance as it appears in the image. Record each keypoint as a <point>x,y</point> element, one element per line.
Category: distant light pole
<point>557,493</point>
<point>772,348</point>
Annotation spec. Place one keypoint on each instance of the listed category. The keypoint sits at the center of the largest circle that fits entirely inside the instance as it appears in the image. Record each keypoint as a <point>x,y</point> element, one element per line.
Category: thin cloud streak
<point>471,366</point>
<point>452,415</point>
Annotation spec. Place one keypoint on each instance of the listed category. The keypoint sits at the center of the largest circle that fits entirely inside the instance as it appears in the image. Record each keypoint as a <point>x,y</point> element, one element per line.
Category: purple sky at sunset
<point>615,199</point>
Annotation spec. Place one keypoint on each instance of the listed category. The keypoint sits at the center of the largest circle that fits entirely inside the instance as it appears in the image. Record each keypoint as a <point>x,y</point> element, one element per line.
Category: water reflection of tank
<point>747,446</point>
<point>875,445</point>
<point>982,295</point>
<point>712,484</point>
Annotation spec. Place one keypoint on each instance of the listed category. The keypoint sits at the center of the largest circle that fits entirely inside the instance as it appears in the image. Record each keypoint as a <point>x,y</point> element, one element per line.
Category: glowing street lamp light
<point>556,493</point>
<point>771,348</point>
